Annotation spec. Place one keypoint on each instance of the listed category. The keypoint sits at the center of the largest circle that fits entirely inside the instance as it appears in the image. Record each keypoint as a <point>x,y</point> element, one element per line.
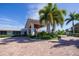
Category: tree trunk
<point>48,28</point>
<point>73,27</point>
<point>53,28</point>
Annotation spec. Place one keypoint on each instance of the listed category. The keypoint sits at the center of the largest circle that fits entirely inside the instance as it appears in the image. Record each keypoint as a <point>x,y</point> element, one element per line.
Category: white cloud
<point>10,27</point>
<point>6,23</point>
<point>34,9</point>
<point>7,20</point>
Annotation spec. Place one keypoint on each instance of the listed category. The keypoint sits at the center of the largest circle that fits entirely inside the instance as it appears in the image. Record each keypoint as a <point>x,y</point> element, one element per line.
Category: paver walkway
<point>23,46</point>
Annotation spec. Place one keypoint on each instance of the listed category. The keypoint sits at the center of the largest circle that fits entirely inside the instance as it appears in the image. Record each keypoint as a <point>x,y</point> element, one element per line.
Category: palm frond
<point>77,16</point>
<point>42,20</point>
<point>68,21</point>
<point>64,12</point>
<point>42,11</point>
<point>51,18</point>
<point>55,6</point>
<point>72,16</point>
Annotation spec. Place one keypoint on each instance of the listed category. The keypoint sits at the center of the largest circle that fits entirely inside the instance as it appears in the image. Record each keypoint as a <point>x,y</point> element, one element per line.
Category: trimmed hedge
<point>45,35</point>
<point>3,36</point>
<point>18,36</point>
<point>62,32</point>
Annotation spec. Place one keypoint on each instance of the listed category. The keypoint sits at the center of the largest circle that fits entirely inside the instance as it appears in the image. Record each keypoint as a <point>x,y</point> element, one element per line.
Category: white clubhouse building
<point>31,27</point>
<point>10,32</point>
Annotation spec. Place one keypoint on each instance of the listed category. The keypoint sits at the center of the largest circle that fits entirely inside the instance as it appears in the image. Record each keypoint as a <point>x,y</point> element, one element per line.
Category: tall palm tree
<point>72,18</point>
<point>51,15</point>
<point>44,16</point>
<point>77,16</point>
<point>58,16</point>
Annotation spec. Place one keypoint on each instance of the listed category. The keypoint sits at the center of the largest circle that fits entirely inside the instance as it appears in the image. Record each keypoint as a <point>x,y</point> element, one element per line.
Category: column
<point>28,31</point>
<point>32,29</point>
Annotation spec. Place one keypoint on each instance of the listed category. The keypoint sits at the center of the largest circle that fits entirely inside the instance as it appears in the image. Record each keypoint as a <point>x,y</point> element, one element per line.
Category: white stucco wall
<point>9,33</point>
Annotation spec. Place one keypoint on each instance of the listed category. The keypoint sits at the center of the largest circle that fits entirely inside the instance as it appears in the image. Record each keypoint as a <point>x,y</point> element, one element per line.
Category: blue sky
<point>14,16</point>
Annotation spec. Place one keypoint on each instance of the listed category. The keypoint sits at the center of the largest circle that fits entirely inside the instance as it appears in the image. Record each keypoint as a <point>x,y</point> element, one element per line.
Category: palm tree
<point>58,16</point>
<point>72,18</point>
<point>77,16</point>
<point>44,16</point>
<point>51,15</point>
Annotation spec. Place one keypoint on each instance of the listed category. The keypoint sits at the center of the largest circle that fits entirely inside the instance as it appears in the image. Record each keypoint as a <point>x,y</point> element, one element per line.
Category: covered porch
<point>32,26</point>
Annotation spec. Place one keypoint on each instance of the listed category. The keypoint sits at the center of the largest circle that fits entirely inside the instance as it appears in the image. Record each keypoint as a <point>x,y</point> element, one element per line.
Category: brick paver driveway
<point>23,46</point>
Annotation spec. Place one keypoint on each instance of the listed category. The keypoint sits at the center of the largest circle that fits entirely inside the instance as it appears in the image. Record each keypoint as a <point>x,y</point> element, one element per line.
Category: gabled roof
<point>31,21</point>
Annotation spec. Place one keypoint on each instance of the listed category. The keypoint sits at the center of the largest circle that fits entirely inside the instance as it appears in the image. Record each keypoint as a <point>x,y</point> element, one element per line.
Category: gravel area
<point>24,47</point>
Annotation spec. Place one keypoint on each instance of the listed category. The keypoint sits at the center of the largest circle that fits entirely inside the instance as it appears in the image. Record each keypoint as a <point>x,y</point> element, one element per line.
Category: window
<point>16,32</point>
<point>3,32</point>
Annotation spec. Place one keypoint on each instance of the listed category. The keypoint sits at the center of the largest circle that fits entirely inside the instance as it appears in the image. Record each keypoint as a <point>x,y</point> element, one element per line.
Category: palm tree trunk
<point>73,27</point>
<point>48,28</point>
<point>53,28</point>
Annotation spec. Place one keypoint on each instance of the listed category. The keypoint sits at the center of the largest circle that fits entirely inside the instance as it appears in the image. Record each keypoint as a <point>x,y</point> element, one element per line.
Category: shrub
<point>42,34</point>
<point>53,35</point>
<point>60,32</point>
<point>19,36</point>
<point>3,36</point>
<point>34,36</point>
<point>45,35</point>
<point>76,31</point>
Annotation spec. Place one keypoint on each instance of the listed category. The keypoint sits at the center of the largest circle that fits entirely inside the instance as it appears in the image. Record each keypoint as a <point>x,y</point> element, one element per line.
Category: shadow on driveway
<point>19,40</point>
<point>63,43</point>
<point>16,39</point>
